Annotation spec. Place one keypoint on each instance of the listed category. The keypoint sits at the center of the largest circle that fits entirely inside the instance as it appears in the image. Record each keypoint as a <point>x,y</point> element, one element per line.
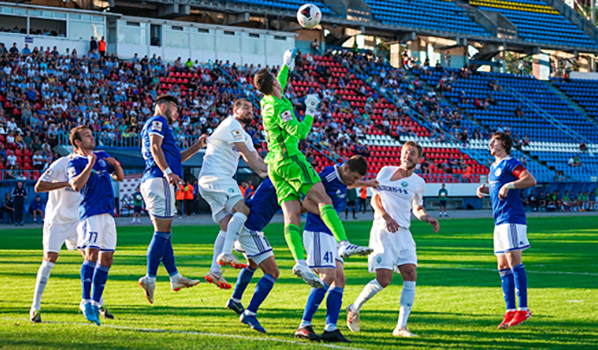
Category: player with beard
<point>218,187</point>
<point>399,193</point>
<point>163,171</point>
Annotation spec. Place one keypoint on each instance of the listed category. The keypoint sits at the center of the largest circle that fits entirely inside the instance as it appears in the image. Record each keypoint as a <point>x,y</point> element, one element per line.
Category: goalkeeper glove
<point>311,103</point>
<point>289,58</point>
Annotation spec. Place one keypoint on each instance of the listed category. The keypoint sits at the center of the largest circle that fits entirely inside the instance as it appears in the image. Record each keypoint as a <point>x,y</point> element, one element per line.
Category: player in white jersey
<point>218,187</point>
<point>399,193</point>
<point>60,226</point>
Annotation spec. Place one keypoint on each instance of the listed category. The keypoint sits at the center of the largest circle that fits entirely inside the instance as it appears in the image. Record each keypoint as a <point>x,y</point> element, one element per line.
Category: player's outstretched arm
<point>255,162</point>
<point>391,224</point>
<point>288,63</point>
<point>373,183</point>
<point>526,180</point>
<point>189,152</point>
<point>80,180</point>
<point>422,215</point>
<point>158,155</point>
<point>45,186</point>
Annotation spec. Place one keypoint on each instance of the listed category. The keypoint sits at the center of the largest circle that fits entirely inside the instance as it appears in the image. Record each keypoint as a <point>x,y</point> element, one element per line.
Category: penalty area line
<point>206,334</point>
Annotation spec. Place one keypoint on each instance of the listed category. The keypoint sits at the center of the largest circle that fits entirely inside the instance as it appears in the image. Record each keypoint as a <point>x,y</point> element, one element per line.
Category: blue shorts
<point>137,209</point>
<point>443,203</point>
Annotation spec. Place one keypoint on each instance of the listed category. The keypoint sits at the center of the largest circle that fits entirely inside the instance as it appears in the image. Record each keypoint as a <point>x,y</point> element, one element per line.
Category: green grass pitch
<point>458,303</point>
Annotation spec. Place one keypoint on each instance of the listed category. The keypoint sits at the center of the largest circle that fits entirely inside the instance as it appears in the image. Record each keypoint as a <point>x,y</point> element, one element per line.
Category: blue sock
<point>333,307</point>
<point>313,302</point>
<point>100,277</point>
<point>155,252</point>
<point>242,281</point>
<point>87,270</point>
<point>168,259</point>
<point>521,285</point>
<point>263,288</point>
<point>508,288</point>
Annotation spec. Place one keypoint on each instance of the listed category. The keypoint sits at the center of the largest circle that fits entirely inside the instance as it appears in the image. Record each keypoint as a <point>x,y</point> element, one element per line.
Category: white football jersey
<point>398,197</point>
<point>63,204</point>
<point>222,157</point>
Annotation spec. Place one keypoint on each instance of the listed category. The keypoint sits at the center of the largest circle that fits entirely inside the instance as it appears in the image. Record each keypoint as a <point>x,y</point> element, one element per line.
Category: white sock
<point>43,274</point>
<point>175,278</point>
<point>302,262</point>
<point>151,280</point>
<point>101,303</point>
<point>232,231</point>
<point>407,299</point>
<point>368,292</point>
<point>330,327</point>
<point>304,324</point>
<point>215,268</point>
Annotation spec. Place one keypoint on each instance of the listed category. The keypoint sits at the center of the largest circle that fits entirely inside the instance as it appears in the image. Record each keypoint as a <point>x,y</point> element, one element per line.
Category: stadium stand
<point>533,17</point>
<point>425,14</point>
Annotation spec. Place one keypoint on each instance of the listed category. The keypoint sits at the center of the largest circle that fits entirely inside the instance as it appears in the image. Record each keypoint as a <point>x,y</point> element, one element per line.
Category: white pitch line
<point>218,335</point>
<point>532,272</point>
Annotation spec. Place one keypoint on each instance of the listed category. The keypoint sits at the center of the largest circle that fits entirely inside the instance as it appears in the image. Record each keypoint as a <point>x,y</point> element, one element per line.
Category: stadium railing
<point>125,140</point>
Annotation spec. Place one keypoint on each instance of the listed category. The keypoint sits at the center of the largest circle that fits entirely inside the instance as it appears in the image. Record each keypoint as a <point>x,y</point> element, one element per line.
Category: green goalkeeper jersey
<point>283,130</point>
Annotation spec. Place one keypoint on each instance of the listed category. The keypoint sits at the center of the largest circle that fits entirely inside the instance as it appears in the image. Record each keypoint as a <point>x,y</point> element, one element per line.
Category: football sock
<point>313,303</point>
<point>218,243</point>
<point>334,302</point>
<point>508,288</point>
<point>155,252</point>
<point>87,270</point>
<point>168,260</point>
<point>232,231</point>
<point>100,277</point>
<point>242,281</point>
<point>521,285</point>
<point>368,292</point>
<point>262,289</point>
<point>294,241</point>
<point>407,299</point>
<point>43,274</point>
<point>333,222</point>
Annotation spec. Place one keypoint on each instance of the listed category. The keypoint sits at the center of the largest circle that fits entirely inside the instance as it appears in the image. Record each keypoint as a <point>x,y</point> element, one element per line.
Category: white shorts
<point>222,194</point>
<point>391,250</point>
<point>97,232</point>
<point>158,195</point>
<point>57,235</point>
<point>509,237</point>
<point>253,245</point>
<point>321,249</point>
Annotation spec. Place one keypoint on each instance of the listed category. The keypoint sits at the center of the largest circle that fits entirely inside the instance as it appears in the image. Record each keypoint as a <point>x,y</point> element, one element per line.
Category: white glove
<point>311,103</point>
<point>289,58</point>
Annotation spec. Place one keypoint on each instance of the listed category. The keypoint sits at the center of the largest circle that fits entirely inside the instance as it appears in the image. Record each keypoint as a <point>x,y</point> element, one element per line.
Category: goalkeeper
<point>290,172</point>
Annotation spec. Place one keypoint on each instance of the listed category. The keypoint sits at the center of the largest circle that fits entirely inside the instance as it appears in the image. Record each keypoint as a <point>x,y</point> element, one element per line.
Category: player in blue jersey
<point>256,249</point>
<point>163,171</point>
<point>322,249</point>
<point>89,173</point>
<point>507,177</point>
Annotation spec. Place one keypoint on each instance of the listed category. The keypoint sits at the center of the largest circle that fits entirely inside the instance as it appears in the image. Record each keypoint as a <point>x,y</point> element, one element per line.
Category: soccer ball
<point>309,16</point>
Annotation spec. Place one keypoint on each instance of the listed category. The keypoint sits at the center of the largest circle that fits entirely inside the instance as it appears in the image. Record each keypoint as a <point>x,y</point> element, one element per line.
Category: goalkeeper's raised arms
<point>311,103</point>
<point>289,58</point>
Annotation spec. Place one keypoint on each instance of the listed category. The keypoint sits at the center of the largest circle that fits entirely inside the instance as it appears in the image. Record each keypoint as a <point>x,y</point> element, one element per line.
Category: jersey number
<point>93,237</point>
<point>328,257</point>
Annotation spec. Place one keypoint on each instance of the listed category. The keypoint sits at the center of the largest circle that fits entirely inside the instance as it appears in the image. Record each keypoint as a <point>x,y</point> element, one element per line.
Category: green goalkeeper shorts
<point>291,177</point>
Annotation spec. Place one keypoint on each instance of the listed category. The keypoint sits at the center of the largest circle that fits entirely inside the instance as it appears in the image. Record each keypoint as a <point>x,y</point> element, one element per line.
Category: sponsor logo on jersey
<point>392,189</point>
<point>237,134</point>
<point>497,172</point>
<point>339,194</point>
<point>286,115</point>
<point>156,125</point>
<point>47,174</point>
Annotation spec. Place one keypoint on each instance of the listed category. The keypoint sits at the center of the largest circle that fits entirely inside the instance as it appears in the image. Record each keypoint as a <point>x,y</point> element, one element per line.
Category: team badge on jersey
<point>379,259</point>
<point>286,116</point>
<point>102,163</point>
<point>497,172</point>
<point>157,125</point>
<point>237,134</point>
<point>231,190</point>
<point>404,184</point>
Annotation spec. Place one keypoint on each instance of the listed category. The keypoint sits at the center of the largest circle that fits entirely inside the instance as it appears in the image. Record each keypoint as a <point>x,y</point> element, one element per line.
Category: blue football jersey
<point>510,210</point>
<point>158,125</point>
<point>97,196</point>
<point>337,190</point>
<point>263,205</point>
